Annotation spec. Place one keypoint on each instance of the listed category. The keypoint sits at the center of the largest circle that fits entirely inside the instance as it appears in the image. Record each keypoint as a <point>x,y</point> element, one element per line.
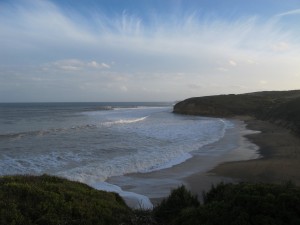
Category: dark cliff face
<point>280,107</point>
<point>286,114</point>
<point>223,105</point>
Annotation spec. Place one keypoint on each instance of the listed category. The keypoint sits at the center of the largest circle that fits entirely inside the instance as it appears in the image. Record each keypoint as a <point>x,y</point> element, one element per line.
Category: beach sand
<point>280,162</point>
<point>197,173</point>
<point>272,154</point>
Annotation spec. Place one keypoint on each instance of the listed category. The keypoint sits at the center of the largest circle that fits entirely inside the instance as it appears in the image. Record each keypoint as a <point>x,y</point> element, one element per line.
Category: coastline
<point>280,150</point>
<point>279,146</point>
<point>257,151</point>
<point>246,150</point>
<point>194,172</point>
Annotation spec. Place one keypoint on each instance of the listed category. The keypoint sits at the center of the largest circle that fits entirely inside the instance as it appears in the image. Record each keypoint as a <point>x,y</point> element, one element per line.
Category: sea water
<point>91,142</point>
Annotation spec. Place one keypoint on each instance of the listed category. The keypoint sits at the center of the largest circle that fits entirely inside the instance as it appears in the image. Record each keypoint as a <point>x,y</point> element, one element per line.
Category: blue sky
<point>146,50</point>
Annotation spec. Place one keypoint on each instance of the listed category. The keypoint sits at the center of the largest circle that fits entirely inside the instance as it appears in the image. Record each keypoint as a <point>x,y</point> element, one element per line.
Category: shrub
<point>178,200</point>
<point>246,204</point>
<point>51,200</point>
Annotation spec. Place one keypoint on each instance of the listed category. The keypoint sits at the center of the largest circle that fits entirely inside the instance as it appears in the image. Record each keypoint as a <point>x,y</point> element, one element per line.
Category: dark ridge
<point>279,107</point>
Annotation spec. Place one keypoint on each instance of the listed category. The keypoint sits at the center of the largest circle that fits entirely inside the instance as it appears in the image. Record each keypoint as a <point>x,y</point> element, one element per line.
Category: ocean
<point>94,142</point>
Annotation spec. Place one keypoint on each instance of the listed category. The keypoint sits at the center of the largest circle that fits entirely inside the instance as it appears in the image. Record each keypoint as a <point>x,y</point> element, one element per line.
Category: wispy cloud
<point>288,13</point>
<point>281,46</point>
<point>232,62</point>
<point>118,54</point>
<point>76,65</point>
<point>41,26</point>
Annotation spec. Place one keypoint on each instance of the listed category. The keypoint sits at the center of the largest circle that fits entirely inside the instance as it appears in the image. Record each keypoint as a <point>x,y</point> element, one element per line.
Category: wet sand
<point>280,162</point>
<point>271,154</point>
<point>193,173</point>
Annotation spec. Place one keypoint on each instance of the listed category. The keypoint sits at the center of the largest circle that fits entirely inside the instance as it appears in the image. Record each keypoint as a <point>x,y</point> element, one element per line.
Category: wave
<point>163,146</point>
<point>140,201</point>
<point>154,140</point>
<point>173,162</point>
<point>40,133</point>
<point>104,108</point>
<point>50,131</point>
<point>37,164</point>
<point>123,121</point>
<point>161,149</point>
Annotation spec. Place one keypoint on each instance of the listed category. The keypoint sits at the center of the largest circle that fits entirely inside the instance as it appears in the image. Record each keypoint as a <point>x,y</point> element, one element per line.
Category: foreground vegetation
<point>279,107</point>
<point>48,200</point>
<point>234,204</point>
<point>52,200</point>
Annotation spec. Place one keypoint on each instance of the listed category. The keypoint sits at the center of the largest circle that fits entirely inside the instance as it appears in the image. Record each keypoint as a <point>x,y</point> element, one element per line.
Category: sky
<point>146,50</point>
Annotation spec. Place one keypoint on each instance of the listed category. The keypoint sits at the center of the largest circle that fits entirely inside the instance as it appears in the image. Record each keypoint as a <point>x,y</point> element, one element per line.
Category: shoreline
<point>245,151</point>
<point>193,173</point>
<point>280,162</point>
<point>258,151</point>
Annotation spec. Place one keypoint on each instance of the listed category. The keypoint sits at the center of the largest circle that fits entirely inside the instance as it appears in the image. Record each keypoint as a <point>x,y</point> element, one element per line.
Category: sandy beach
<point>257,151</point>
<point>279,161</point>
<point>197,172</point>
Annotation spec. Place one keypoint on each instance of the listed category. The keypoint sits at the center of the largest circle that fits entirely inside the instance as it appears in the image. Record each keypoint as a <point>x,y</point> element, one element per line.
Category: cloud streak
<point>123,53</point>
<point>76,65</point>
<point>289,13</point>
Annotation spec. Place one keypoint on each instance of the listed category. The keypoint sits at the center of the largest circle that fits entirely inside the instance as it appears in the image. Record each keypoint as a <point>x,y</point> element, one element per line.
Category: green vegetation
<point>52,200</point>
<point>48,200</point>
<point>286,114</point>
<point>280,107</point>
<point>179,200</point>
<point>235,204</point>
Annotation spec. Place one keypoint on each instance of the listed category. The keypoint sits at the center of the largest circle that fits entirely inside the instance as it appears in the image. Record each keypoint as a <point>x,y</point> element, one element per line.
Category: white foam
<point>172,162</point>
<point>132,199</point>
<point>160,145</point>
<point>39,163</point>
<point>124,121</point>
<point>143,140</point>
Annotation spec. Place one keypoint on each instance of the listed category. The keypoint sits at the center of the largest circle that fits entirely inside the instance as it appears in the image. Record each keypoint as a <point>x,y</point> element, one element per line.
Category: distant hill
<point>280,107</point>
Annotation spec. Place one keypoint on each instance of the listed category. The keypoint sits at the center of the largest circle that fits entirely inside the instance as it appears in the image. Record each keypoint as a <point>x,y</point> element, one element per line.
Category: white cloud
<point>291,12</point>
<point>113,54</point>
<point>251,61</point>
<point>124,88</point>
<point>281,47</point>
<point>263,82</point>
<point>69,64</point>
<point>232,63</point>
<point>196,87</point>
<point>222,69</point>
<point>96,65</point>
<point>46,26</point>
<point>76,65</point>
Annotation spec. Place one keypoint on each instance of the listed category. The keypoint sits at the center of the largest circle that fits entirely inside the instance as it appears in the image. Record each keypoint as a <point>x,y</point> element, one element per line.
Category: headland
<point>275,114</point>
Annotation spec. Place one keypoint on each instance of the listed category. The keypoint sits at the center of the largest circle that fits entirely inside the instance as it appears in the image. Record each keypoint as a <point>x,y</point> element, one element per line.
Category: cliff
<point>280,107</point>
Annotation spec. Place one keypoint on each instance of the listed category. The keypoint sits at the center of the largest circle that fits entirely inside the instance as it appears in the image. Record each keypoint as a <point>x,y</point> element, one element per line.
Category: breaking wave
<point>124,121</point>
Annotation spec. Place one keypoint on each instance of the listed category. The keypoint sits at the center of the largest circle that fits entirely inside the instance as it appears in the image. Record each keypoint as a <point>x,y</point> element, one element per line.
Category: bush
<point>51,200</point>
<point>178,200</point>
<point>48,200</point>
<point>246,204</point>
